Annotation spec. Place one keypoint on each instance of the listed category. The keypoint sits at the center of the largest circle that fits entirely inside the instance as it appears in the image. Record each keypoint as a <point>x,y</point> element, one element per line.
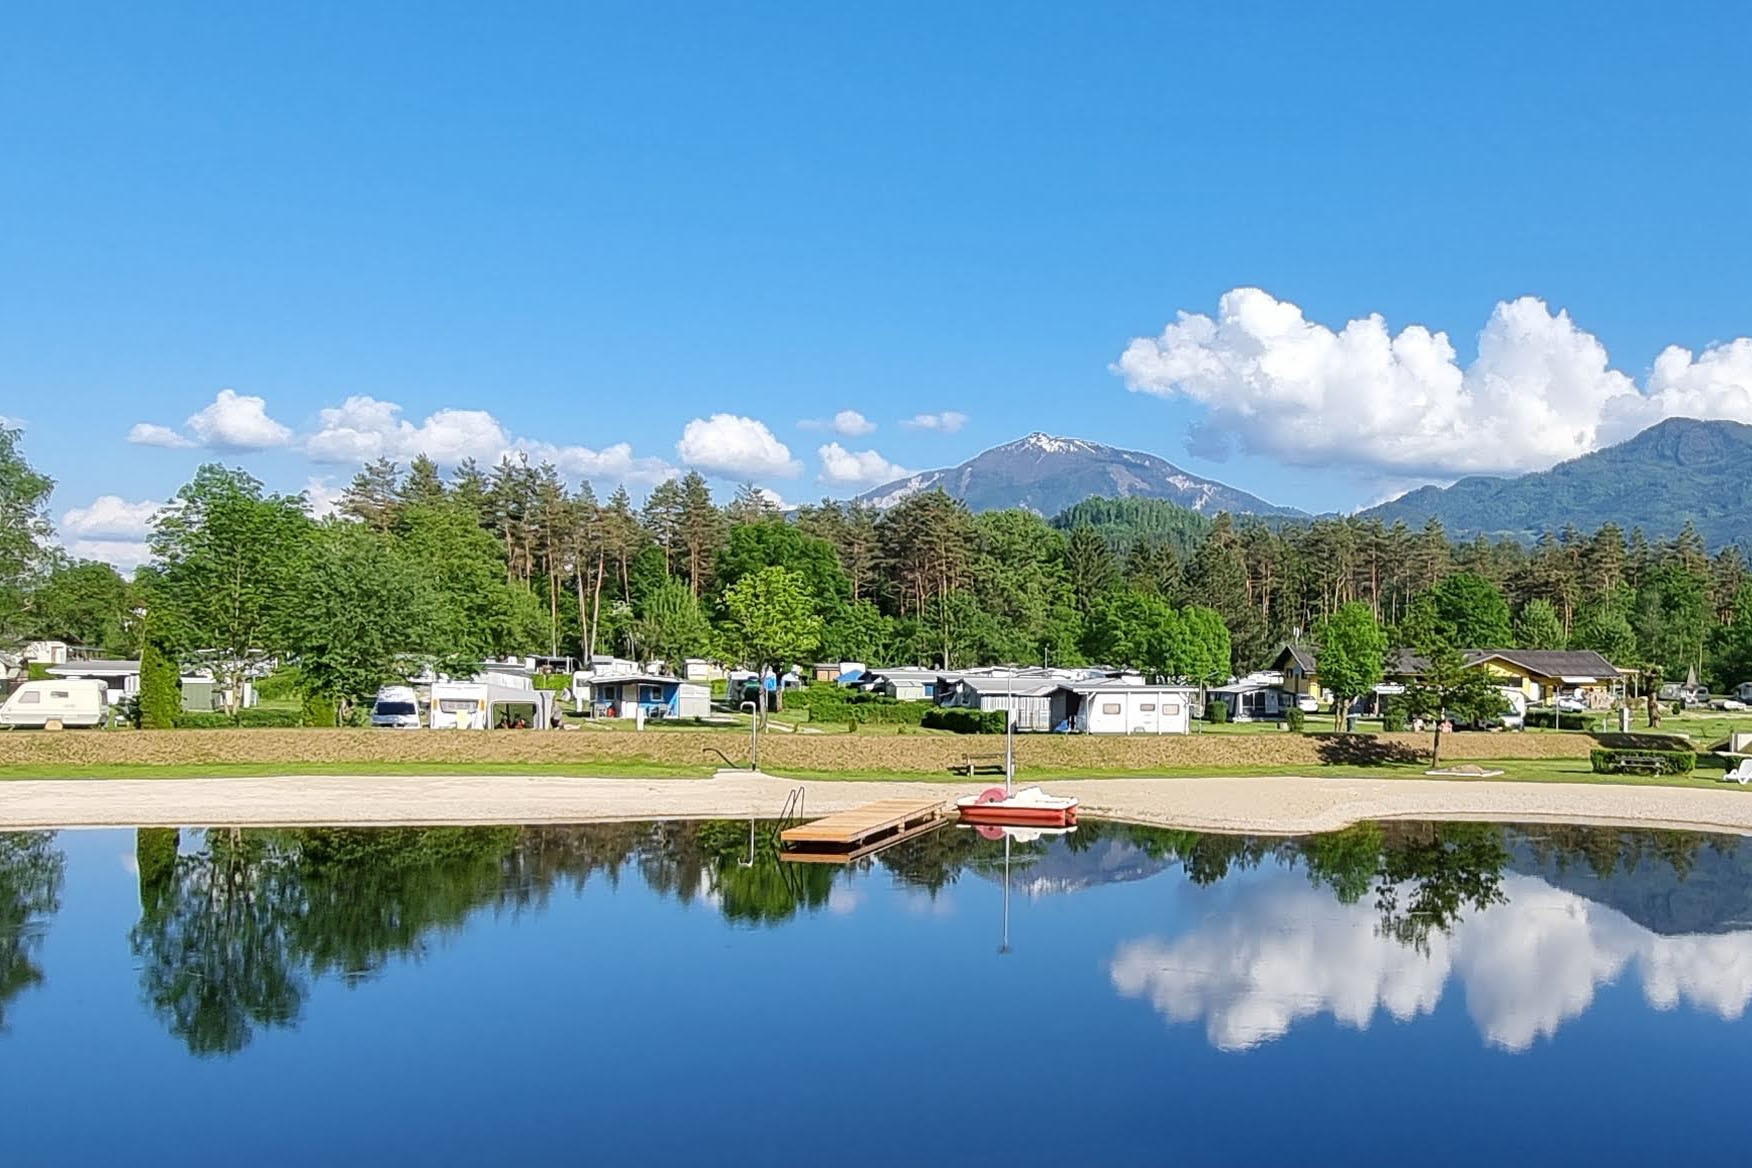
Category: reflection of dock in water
<point>863,831</point>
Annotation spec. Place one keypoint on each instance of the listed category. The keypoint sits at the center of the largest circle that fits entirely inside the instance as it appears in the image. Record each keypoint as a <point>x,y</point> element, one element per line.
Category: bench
<point>1642,764</point>
<point>975,763</point>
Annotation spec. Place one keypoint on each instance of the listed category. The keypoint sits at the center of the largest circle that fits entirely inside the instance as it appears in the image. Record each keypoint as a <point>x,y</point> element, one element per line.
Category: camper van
<point>69,702</point>
<point>396,708</point>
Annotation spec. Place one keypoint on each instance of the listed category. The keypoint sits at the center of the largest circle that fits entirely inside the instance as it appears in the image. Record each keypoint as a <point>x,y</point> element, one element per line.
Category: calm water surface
<point>643,993</point>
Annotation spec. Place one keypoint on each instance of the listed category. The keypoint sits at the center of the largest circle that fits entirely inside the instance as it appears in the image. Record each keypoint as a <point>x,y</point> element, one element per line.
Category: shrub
<point>965,721</point>
<point>826,702</point>
<point>1672,762</point>
<point>318,710</point>
<point>37,671</point>
<point>553,681</point>
<point>1217,712</point>
<point>1546,718</point>
<point>1393,717</point>
<point>1295,719</point>
<point>1678,708</point>
<point>244,720</point>
<point>160,689</point>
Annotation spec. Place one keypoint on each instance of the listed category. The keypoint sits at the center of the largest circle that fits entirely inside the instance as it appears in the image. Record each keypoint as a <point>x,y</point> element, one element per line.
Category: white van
<point>396,708</point>
<point>73,701</point>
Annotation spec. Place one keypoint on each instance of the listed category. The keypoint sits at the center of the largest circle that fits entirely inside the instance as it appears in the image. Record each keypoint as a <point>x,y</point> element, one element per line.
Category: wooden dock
<point>851,835</point>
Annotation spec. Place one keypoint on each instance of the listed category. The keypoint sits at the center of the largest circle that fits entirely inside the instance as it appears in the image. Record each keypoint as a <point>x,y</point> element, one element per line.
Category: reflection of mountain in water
<point>1667,882</point>
<point>1060,867</point>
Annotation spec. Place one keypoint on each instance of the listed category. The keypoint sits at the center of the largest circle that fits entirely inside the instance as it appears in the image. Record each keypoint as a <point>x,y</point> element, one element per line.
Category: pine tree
<point>374,496</point>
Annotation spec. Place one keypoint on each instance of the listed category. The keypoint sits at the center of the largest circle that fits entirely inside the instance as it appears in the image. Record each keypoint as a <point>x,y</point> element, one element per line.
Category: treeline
<point>422,566</point>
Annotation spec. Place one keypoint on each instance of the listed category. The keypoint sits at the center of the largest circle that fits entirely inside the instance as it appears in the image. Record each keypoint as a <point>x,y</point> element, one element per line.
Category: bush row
<point>1672,762</point>
<point>965,721</point>
<point>830,703</point>
<point>243,719</point>
<point>1545,718</point>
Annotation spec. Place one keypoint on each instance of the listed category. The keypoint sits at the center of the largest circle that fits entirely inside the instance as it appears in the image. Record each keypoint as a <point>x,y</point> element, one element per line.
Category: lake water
<point>641,993</point>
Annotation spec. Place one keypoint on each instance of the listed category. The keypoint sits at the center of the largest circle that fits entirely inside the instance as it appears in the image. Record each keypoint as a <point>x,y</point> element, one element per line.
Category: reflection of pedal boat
<point>1022,835</point>
<point>1029,807</point>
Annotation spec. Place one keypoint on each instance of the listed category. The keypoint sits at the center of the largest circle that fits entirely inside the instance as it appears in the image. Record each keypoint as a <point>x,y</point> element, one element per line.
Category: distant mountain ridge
<point>1047,474</point>
<point>1676,471</point>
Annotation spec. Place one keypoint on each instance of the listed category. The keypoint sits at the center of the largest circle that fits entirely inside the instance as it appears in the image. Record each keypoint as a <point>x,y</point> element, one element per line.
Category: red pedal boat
<point>1029,807</point>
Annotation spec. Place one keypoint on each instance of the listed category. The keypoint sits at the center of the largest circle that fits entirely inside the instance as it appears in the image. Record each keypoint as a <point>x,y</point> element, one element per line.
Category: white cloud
<point>1284,951</point>
<point>1540,391</point>
<point>733,445</point>
<point>111,517</point>
<point>865,468</point>
<point>848,423</point>
<point>363,428</point>
<point>612,463</point>
<point>238,422</point>
<point>947,422</point>
<point>322,497</point>
<point>152,434</point>
<point>126,555</point>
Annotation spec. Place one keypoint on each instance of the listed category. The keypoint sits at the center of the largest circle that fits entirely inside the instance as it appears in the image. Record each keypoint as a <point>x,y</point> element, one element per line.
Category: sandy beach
<point>1267,805</point>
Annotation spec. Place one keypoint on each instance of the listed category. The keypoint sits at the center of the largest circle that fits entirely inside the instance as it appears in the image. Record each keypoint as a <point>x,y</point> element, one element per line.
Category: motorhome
<point>396,708</point>
<point>65,702</point>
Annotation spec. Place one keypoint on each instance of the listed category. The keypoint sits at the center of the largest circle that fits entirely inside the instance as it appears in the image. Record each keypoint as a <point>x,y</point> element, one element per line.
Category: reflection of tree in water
<point>30,892</point>
<point>230,935</point>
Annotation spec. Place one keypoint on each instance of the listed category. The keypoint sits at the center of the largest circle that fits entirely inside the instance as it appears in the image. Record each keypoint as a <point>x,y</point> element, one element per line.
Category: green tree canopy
<point>770,620</point>
<point>1353,647</point>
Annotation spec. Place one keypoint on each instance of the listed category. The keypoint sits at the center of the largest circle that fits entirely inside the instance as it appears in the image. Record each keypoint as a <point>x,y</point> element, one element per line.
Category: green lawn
<point>1557,770</point>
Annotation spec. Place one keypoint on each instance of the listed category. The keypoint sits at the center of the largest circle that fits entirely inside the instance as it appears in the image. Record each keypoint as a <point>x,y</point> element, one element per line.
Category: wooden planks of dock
<point>851,835</point>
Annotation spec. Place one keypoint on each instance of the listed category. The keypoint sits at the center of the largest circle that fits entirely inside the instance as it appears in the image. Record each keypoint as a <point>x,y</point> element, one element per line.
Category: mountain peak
<point>1046,473</point>
<point>1677,471</point>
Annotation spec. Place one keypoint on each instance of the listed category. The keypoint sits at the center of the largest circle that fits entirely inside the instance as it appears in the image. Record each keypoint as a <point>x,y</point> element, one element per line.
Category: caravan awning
<point>1567,680</point>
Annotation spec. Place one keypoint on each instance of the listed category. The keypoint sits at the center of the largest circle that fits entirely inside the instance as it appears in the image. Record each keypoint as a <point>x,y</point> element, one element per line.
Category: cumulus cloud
<point>848,468</point>
<point>111,517</point>
<point>362,429</point>
<point>152,434</point>
<point>237,422</point>
<point>1285,951</point>
<point>111,529</point>
<point>740,447</point>
<point>1541,389</point>
<point>948,421</point>
<point>233,422</point>
<point>322,497</point>
<point>847,423</point>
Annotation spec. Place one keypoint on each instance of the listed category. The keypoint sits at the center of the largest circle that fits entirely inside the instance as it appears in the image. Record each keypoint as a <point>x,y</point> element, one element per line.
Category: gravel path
<point>1266,805</point>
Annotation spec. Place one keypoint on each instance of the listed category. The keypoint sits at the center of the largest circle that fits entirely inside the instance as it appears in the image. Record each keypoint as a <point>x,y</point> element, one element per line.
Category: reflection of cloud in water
<point>843,900</point>
<point>1287,951</point>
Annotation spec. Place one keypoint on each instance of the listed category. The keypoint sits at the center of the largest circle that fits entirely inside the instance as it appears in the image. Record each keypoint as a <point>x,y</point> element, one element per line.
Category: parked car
<point>396,708</point>
<point>1307,705</point>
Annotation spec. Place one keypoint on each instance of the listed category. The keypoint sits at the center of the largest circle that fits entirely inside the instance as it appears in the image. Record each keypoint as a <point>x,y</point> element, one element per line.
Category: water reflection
<point>1527,954</point>
<point>1246,936</point>
<point>31,868</point>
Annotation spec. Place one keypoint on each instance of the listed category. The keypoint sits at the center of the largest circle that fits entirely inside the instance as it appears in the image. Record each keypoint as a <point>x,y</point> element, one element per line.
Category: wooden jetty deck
<point>851,835</point>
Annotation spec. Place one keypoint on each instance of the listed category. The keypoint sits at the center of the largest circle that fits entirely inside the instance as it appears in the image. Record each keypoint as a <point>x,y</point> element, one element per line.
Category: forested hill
<point>1676,471</point>
<point>1124,522</point>
<point>1045,475</point>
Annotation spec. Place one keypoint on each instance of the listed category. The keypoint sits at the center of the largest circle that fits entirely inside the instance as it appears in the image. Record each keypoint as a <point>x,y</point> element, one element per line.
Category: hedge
<point>554,681</point>
<point>1544,718</point>
<point>965,721</point>
<point>1217,712</point>
<point>1673,762</point>
<point>242,720</point>
<point>831,703</point>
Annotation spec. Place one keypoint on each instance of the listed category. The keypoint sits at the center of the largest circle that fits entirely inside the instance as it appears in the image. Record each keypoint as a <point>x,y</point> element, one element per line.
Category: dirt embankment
<point>684,750</point>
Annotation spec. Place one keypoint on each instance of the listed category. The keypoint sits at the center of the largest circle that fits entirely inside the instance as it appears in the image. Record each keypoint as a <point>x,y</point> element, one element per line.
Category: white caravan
<point>69,702</point>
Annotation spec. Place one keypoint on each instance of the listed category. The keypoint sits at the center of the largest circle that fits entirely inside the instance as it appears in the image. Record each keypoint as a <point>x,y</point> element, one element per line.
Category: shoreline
<point>1264,805</point>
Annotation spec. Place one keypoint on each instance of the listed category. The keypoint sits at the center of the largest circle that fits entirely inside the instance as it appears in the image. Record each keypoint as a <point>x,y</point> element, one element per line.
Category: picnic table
<point>1642,764</point>
<point>974,763</point>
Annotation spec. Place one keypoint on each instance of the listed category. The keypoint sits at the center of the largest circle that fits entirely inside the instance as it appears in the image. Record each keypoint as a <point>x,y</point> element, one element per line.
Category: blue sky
<point>598,224</point>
